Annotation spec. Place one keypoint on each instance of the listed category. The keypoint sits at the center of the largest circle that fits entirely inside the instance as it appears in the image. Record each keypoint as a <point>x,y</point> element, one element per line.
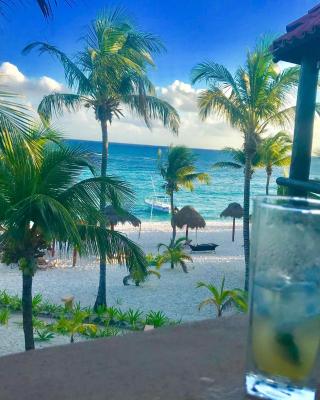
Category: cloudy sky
<point>192,31</point>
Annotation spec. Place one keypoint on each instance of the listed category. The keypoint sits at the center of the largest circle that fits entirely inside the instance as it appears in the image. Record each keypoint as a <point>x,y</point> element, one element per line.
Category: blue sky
<point>192,30</point>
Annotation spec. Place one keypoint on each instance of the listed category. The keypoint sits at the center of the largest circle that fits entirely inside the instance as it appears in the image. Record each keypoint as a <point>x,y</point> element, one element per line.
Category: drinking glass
<point>284,319</point>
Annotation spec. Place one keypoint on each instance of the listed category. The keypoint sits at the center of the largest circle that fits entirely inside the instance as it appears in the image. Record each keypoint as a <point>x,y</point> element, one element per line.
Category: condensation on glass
<point>284,327</point>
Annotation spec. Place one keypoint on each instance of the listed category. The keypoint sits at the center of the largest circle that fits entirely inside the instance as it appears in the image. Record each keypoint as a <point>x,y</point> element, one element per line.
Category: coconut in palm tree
<point>255,97</point>
<point>109,75</point>
<point>178,171</point>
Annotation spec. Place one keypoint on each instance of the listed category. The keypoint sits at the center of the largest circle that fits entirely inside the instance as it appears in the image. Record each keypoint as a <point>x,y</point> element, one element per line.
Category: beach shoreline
<point>175,293</point>
<point>81,281</point>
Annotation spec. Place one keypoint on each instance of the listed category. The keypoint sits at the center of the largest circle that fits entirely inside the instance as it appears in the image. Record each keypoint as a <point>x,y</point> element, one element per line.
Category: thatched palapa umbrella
<point>116,218</point>
<point>234,210</point>
<point>190,218</point>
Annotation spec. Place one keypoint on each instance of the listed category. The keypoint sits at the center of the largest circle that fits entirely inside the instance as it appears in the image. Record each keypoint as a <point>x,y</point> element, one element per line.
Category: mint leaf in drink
<point>288,347</point>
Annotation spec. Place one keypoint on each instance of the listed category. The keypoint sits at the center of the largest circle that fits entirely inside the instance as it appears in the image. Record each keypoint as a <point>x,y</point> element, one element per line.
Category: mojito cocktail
<point>284,334</point>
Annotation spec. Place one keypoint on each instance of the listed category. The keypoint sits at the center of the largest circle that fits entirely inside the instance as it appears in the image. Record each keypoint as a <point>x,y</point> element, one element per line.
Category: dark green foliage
<point>223,299</point>
<point>178,170</point>
<point>134,317</point>
<point>4,316</point>
<point>43,335</point>
<point>253,98</point>
<point>157,319</point>
<point>175,254</point>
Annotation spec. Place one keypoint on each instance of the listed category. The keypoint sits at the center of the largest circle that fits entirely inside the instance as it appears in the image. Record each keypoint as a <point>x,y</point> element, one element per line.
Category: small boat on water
<point>158,203</point>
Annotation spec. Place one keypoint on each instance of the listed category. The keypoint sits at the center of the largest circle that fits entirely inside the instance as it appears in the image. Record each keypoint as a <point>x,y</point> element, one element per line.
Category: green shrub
<point>134,317</point>
<point>157,319</point>
<point>44,334</point>
<point>4,316</point>
<point>122,316</point>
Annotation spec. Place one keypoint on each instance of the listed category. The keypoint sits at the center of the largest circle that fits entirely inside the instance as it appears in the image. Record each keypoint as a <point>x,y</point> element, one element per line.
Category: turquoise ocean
<point>138,165</point>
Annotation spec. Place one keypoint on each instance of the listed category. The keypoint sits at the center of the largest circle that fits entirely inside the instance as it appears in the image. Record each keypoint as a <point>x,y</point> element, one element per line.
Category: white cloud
<point>214,133</point>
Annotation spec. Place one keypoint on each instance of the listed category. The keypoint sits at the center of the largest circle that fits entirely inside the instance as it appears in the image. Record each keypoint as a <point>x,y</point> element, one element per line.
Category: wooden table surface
<point>197,361</point>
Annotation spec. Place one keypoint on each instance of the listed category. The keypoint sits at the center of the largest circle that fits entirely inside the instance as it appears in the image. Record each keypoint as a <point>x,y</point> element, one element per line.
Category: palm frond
<point>117,247</point>
<point>56,103</point>
<point>14,116</point>
<point>74,77</point>
<point>206,302</point>
<point>227,164</point>
<point>153,108</point>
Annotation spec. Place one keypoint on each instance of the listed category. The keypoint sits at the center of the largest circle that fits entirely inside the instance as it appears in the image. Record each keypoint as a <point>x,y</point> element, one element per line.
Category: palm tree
<point>275,151</point>
<point>223,299</point>
<point>44,200</point>
<point>253,98</point>
<point>13,115</point>
<point>239,160</point>
<point>152,261</point>
<point>44,5</point>
<point>108,74</point>
<point>76,324</point>
<point>175,254</point>
<point>179,171</point>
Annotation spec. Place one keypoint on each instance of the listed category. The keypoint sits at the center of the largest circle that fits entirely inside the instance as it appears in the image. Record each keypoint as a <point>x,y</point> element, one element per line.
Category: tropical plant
<point>14,303</point>
<point>43,200</point>
<point>223,299</point>
<point>36,303</point>
<point>178,170</point>
<point>274,151</point>
<point>44,332</point>
<point>238,160</point>
<point>157,319</point>
<point>50,309</point>
<point>101,313</point>
<point>152,261</point>
<point>122,316</point>
<point>75,324</point>
<point>14,117</point>
<point>44,5</point>
<point>175,254</point>
<point>102,332</point>
<point>112,313</point>
<point>4,316</point>
<point>109,73</point>
<point>253,98</point>
<point>134,317</point>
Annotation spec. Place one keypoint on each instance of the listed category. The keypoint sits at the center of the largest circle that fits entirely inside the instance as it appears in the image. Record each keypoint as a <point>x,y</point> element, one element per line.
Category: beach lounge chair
<point>204,247</point>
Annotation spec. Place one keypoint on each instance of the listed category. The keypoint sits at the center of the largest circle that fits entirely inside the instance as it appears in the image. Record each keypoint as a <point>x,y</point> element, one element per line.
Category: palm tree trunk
<point>27,310</point>
<point>268,182</point>
<point>233,228</point>
<point>246,217</point>
<point>74,257</point>
<point>174,228</point>
<point>101,296</point>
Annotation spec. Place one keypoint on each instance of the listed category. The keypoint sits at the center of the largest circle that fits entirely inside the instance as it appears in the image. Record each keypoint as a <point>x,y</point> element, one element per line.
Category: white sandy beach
<point>175,293</point>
